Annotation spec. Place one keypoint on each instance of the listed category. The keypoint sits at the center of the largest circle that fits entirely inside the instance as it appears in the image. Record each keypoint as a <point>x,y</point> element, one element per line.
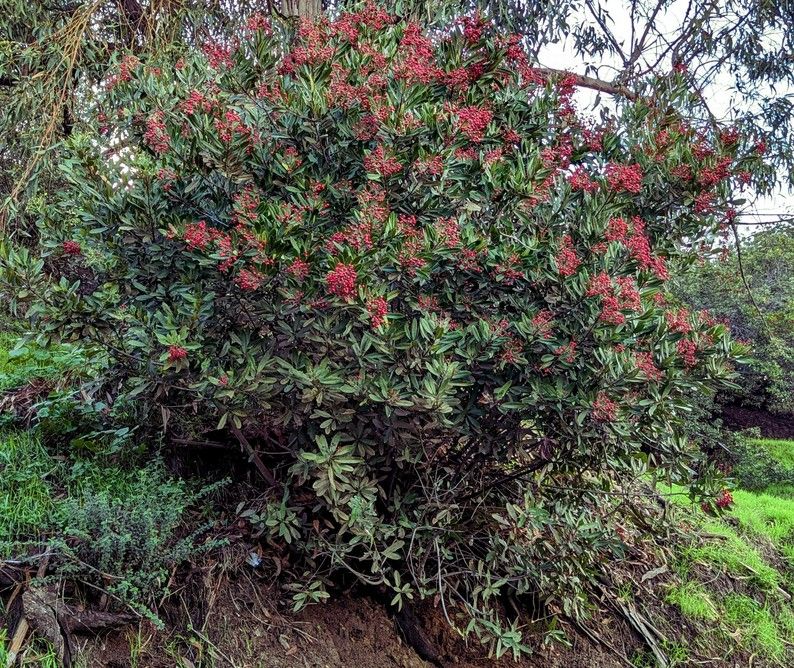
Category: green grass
<point>25,498</point>
<point>769,516</point>
<point>780,450</point>
<point>755,616</point>
<point>693,600</point>
<point>20,363</point>
<point>38,654</point>
<point>757,627</point>
<point>727,549</point>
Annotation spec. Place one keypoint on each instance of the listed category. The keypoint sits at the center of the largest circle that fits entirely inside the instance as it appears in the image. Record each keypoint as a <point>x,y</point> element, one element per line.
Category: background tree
<point>716,285</point>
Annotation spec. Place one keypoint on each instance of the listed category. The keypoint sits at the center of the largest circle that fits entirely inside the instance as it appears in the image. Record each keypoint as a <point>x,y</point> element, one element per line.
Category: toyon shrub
<point>405,263</point>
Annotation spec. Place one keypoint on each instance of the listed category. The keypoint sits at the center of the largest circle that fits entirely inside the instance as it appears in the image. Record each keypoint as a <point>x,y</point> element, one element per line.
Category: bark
<point>592,83</point>
<point>304,9</point>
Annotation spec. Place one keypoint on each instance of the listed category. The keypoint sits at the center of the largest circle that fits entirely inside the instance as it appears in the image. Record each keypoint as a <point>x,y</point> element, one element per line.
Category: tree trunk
<point>305,9</point>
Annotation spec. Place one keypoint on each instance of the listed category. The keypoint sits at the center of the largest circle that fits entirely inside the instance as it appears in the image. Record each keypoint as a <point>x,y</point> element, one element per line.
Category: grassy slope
<point>735,581</point>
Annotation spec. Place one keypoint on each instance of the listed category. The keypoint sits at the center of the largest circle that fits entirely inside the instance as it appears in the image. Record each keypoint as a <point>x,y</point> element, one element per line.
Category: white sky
<point>561,56</point>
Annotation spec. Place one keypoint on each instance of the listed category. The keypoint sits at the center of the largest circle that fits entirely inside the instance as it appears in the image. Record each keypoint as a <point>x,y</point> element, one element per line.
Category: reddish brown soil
<point>771,425</point>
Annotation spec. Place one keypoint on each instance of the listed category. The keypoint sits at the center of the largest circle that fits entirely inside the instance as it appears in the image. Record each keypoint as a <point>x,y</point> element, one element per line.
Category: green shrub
<point>407,264</point>
<point>757,465</point>
<point>781,450</point>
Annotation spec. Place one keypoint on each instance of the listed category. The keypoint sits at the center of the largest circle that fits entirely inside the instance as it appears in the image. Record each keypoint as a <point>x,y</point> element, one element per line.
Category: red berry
<point>72,248</point>
<point>176,353</point>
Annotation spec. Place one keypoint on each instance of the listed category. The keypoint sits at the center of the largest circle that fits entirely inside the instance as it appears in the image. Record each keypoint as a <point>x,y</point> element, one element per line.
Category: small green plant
<point>677,653</point>
<point>124,534</point>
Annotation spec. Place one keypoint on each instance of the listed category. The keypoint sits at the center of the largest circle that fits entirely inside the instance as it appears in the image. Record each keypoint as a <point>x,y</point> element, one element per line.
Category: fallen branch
<point>23,627</point>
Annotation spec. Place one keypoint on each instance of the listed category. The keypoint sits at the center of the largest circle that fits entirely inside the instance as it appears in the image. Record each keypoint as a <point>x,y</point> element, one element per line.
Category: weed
<point>677,653</point>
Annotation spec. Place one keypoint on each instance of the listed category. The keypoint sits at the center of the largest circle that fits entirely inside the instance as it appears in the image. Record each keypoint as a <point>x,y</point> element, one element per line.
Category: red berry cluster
<point>377,309</point>
<point>218,55</point>
<point>249,280</point>
<point>678,321</point>
<point>724,499</point>
<point>624,178</point>
<point>341,281</point>
<point>197,236</point>
<point>604,409</point>
<point>176,353</point>
<point>156,136</point>
<point>299,269</point>
<point>567,259</point>
<point>645,363</point>
<point>543,321</point>
<point>378,162</point>
<point>626,298</point>
<point>72,248</point>
<point>473,121</point>
<point>580,180</point>
<point>687,349</point>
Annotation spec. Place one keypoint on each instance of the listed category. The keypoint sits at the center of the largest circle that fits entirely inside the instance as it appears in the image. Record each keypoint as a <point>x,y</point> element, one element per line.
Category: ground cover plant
<point>413,271</point>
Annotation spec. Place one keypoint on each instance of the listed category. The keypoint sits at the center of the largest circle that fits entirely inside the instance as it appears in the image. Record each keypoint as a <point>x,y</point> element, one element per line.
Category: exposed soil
<point>223,616</point>
<point>353,631</point>
<point>771,425</point>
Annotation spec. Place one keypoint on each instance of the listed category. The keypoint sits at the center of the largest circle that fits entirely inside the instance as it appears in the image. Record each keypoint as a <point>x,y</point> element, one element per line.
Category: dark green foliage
<point>124,532</point>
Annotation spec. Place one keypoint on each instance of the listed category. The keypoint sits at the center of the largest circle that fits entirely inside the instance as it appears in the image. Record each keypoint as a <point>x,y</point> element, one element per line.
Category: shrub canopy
<point>406,264</point>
